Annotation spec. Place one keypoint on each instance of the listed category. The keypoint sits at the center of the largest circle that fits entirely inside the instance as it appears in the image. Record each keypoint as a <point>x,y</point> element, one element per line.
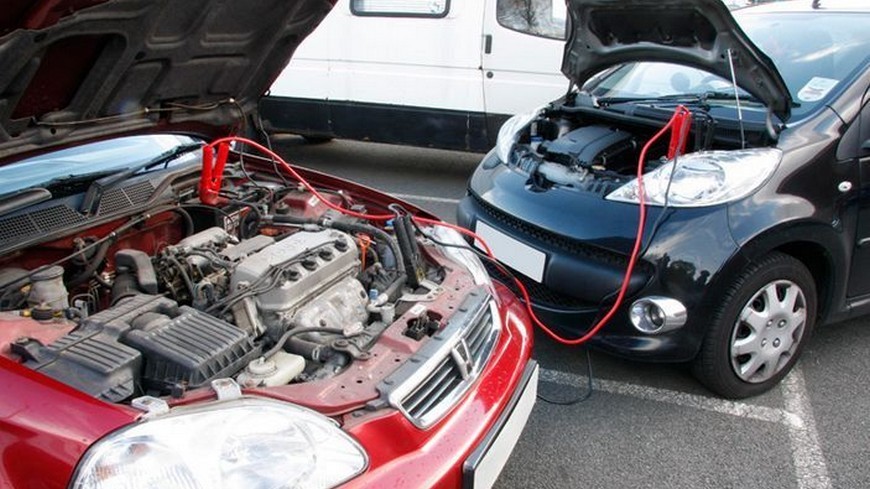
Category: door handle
<point>487,44</point>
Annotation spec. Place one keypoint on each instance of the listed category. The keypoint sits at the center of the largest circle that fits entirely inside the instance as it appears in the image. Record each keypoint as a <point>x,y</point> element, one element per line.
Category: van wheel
<point>759,328</point>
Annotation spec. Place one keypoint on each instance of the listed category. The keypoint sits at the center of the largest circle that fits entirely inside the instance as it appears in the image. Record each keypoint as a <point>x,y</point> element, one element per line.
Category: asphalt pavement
<point>649,425</point>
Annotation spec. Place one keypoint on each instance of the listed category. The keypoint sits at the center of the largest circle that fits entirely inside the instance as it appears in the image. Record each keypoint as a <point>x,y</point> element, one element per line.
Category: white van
<point>438,73</point>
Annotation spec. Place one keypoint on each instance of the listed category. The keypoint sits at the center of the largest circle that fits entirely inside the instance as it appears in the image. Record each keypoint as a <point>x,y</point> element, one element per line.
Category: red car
<point>180,308</point>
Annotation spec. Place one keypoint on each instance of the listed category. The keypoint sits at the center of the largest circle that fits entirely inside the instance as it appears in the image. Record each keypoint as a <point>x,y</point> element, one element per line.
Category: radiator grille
<point>430,399</point>
<point>539,293</point>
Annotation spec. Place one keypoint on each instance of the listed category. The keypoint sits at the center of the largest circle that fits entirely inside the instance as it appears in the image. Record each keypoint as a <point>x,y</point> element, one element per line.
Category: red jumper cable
<point>679,123</point>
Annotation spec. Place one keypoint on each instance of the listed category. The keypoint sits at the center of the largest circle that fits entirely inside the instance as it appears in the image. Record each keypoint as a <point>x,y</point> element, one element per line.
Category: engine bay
<point>578,143</point>
<point>269,287</point>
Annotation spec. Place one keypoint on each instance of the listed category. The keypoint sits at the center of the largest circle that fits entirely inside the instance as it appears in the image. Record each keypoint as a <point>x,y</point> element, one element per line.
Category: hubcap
<point>768,331</point>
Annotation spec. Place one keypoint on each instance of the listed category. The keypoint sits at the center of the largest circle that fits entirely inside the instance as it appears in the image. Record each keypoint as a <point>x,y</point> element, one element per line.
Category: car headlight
<point>461,253</point>
<point>509,133</point>
<point>704,178</point>
<point>247,442</point>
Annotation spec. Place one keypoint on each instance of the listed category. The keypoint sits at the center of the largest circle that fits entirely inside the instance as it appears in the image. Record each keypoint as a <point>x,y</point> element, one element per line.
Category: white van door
<point>522,55</point>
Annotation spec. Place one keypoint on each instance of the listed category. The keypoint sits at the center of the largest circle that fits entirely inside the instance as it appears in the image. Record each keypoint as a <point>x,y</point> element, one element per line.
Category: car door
<point>522,56</point>
<point>859,279</point>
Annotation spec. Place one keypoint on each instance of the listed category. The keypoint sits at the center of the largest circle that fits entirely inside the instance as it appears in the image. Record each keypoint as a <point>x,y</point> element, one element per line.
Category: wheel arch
<point>819,248</point>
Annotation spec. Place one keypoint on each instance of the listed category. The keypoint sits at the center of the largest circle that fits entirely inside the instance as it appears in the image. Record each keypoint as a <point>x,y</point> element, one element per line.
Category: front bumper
<point>484,465</point>
<point>404,455</point>
<point>581,273</point>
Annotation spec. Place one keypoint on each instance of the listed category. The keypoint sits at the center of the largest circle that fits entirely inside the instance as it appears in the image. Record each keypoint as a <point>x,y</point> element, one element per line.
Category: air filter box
<point>188,347</point>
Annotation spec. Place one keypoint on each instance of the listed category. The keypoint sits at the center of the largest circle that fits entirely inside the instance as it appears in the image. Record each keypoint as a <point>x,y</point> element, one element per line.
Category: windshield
<point>814,52</point>
<point>112,155</point>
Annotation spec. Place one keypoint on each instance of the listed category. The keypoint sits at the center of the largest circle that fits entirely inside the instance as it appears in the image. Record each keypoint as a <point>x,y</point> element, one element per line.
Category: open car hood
<point>76,70</point>
<point>697,33</point>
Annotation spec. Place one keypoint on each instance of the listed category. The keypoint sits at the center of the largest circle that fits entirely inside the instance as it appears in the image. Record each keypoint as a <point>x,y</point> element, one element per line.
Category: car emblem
<point>464,361</point>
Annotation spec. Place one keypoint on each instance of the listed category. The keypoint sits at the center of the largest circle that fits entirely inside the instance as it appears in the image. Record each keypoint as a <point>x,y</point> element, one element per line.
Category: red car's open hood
<point>698,33</point>
<point>74,70</point>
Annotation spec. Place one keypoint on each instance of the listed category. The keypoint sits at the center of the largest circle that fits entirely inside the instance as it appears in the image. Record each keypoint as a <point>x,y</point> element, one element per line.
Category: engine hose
<point>188,221</point>
<point>353,227</point>
<point>92,264</point>
<point>392,291</point>
<point>279,345</point>
<point>293,220</point>
<point>404,236</point>
<point>309,349</point>
<point>188,283</point>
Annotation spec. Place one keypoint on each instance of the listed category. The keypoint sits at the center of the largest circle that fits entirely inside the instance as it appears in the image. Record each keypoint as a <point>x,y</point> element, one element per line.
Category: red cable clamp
<point>212,173</point>
<point>680,132</point>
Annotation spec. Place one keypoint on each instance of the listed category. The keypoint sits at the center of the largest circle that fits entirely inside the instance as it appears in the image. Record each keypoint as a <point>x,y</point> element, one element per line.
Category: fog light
<point>654,314</point>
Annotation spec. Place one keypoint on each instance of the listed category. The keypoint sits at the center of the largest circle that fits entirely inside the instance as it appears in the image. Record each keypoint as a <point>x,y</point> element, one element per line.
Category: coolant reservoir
<point>279,369</point>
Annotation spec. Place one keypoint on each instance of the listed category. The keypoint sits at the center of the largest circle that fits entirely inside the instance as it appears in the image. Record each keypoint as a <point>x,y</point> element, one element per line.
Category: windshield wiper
<point>91,200</point>
<point>700,98</point>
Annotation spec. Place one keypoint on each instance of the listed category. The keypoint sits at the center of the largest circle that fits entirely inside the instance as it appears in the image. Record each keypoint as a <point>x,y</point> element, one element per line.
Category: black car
<point>763,229</point>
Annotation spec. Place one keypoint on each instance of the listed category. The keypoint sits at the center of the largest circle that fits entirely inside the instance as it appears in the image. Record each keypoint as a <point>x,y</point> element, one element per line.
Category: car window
<point>400,8</point>
<point>815,54</point>
<point>103,156</point>
<point>544,18</point>
<point>654,79</point>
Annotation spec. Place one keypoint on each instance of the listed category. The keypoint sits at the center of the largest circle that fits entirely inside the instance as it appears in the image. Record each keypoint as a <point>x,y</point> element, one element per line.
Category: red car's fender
<point>46,427</point>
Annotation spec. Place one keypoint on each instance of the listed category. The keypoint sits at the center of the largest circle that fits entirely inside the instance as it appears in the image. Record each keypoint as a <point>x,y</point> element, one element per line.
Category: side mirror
<point>865,148</point>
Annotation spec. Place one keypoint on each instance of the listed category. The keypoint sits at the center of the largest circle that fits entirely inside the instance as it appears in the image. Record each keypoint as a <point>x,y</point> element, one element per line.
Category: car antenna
<point>737,98</point>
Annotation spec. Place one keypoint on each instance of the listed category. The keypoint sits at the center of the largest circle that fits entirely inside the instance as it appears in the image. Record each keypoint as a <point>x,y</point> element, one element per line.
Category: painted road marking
<point>809,462</point>
<point>426,198</point>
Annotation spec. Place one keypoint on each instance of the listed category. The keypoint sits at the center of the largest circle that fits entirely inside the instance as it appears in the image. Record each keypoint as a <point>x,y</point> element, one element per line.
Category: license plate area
<point>512,252</point>
<point>483,467</point>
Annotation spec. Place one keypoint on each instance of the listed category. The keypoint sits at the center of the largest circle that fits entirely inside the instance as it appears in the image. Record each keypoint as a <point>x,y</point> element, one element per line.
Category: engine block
<point>296,270</point>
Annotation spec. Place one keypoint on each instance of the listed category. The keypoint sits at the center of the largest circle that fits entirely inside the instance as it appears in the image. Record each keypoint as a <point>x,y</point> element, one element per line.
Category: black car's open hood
<point>698,33</point>
<point>74,70</point>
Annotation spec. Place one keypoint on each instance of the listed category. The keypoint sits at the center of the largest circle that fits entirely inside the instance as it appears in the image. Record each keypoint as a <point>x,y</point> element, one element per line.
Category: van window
<point>544,18</point>
<point>400,8</point>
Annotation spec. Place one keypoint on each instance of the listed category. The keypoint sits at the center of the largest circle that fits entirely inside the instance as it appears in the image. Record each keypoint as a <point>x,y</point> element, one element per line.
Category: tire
<point>759,328</point>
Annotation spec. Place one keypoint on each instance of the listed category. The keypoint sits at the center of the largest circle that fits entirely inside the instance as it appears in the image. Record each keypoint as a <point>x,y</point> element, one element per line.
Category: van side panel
<point>405,80</point>
<point>414,126</point>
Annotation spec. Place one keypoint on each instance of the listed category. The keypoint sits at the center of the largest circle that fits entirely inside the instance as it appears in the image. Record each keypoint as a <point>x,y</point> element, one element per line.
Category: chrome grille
<point>437,377</point>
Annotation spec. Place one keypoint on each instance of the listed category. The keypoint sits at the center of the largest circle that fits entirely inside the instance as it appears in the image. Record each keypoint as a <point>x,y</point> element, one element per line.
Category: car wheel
<point>759,328</point>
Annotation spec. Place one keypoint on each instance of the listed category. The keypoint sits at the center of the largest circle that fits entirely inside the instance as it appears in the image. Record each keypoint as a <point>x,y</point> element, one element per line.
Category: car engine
<point>239,291</point>
<point>276,291</point>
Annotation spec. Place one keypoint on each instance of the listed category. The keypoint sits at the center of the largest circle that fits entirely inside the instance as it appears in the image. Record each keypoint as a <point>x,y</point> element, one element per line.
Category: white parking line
<point>739,409</point>
<point>809,462</point>
<point>426,198</point>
